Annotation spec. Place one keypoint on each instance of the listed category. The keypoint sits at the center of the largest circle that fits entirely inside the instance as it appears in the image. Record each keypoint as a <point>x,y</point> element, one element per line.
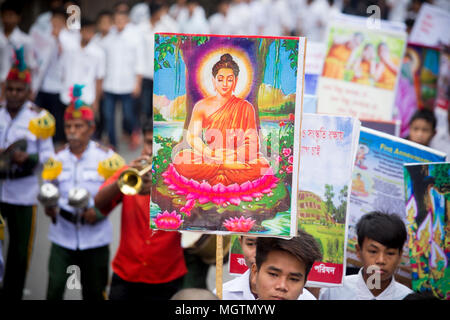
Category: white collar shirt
<point>53,72</point>
<point>124,60</point>
<point>82,66</point>
<point>80,173</point>
<point>355,288</point>
<point>23,191</point>
<point>239,289</point>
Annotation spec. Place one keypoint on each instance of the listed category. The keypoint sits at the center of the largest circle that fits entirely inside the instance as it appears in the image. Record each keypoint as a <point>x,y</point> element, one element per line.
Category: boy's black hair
<point>85,22</point>
<point>303,247</point>
<point>121,11</point>
<point>154,7</point>
<point>426,115</point>
<point>387,229</point>
<point>11,5</point>
<point>147,126</point>
<point>104,13</point>
<point>59,11</point>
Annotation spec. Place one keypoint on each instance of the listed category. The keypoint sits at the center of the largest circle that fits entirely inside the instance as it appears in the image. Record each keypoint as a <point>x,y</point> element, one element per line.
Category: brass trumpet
<point>130,180</point>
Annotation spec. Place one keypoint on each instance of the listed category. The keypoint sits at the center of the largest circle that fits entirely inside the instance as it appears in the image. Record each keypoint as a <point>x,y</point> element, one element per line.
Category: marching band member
<point>149,264</point>
<point>79,236</point>
<point>25,142</point>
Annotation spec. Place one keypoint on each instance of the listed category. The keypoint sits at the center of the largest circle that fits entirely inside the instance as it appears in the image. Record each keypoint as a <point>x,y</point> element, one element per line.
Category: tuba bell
<point>130,180</point>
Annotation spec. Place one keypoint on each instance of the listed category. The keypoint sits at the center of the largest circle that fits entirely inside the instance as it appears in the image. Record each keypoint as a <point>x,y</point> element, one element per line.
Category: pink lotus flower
<point>218,194</point>
<point>291,159</point>
<point>239,224</point>
<point>168,220</point>
<point>286,152</point>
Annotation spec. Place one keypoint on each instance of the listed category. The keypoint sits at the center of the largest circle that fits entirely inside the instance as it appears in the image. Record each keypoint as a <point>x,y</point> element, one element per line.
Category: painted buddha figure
<point>222,144</point>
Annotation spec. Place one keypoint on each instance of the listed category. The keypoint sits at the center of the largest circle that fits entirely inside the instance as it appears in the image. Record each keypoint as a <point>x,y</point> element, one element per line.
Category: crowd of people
<point>79,75</point>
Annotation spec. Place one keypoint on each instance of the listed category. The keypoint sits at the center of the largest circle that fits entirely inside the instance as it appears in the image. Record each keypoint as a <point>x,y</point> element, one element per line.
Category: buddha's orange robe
<point>335,61</point>
<point>387,78</point>
<point>236,114</point>
<point>365,73</point>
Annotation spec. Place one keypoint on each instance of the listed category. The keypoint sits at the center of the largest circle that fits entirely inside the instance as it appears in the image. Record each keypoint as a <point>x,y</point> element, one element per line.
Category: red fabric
<point>84,113</point>
<point>15,74</point>
<point>144,255</point>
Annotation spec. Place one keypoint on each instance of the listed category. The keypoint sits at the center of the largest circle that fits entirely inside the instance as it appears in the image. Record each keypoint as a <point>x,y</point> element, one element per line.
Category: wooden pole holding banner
<point>219,265</point>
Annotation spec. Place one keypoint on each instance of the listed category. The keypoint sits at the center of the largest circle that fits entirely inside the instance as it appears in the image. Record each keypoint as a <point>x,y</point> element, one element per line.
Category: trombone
<point>130,180</point>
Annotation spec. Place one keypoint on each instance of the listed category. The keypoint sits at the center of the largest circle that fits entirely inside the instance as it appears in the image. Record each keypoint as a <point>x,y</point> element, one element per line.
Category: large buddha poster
<point>227,115</point>
<point>361,68</point>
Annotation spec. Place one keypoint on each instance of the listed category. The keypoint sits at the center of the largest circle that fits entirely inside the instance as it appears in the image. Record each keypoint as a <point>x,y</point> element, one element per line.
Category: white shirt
<point>239,289</point>
<point>82,173</point>
<point>22,191</point>
<point>218,24</point>
<point>355,288</point>
<point>441,141</point>
<point>43,23</point>
<point>139,13</point>
<point>52,70</point>
<point>196,23</point>
<point>82,66</point>
<point>124,60</point>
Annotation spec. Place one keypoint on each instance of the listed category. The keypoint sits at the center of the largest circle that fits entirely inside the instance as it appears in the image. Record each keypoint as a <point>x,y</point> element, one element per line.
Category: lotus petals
<point>239,224</point>
<point>168,220</point>
<point>235,201</point>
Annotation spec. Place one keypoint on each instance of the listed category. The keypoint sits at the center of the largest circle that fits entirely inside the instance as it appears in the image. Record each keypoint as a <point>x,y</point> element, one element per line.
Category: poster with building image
<point>361,67</point>
<point>227,116</point>
<point>328,150</point>
<point>378,184</point>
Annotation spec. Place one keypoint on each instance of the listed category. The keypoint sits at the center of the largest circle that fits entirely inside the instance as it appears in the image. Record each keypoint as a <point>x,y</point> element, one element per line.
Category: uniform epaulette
<point>102,147</point>
<point>35,108</point>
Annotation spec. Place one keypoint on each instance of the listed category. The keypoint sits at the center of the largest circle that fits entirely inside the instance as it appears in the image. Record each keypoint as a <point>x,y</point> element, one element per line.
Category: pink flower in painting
<point>279,159</point>
<point>286,152</point>
<point>168,220</point>
<point>239,224</point>
<point>289,169</point>
<point>282,124</point>
<point>291,159</point>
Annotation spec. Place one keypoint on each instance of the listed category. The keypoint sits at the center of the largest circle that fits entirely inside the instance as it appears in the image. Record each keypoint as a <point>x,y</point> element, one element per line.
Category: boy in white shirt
<point>242,287</point>
<point>381,237</point>
<point>123,77</point>
<point>84,64</point>
<point>50,73</point>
